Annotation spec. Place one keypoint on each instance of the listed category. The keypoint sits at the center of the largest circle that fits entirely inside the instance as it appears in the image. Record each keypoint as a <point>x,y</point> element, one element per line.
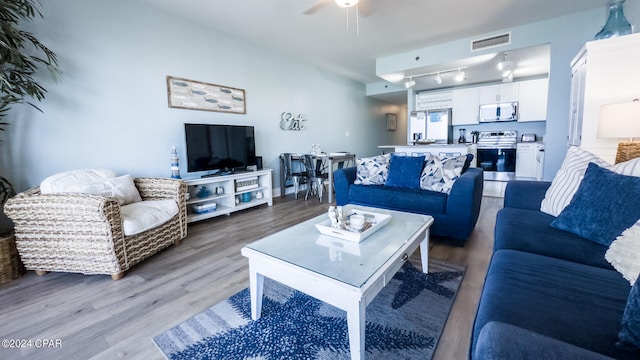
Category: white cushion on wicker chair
<point>60,182</point>
<point>144,215</point>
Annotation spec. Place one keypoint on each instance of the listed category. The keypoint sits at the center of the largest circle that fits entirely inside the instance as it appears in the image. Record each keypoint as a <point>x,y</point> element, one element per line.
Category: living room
<point>109,110</point>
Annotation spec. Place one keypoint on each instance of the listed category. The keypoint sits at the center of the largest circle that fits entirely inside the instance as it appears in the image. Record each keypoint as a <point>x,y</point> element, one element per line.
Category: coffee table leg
<point>424,252</point>
<point>356,316</point>
<point>256,282</point>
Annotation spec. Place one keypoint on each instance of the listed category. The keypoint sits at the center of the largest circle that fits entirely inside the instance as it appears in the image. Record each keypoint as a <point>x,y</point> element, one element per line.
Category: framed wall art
<point>196,95</point>
<point>392,122</point>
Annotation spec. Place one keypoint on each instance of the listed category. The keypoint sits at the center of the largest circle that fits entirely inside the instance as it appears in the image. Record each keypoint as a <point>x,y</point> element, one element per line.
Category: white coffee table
<point>344,274</point>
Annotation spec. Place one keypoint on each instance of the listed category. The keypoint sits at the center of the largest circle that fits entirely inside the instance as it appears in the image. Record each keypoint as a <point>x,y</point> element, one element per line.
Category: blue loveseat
<point>548,294</point>
<point>455,214</point>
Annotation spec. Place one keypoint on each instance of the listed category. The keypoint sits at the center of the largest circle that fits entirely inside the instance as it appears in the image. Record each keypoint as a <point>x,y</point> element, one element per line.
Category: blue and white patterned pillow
<point>372,170</point>
<point>439,174</point>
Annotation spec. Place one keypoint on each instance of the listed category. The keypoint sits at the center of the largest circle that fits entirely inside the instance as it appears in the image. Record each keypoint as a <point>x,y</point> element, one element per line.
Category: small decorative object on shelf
<point>203,192</point>
<point>617,24</point>
<point>259,194</point>
<point>175,168</point>
<point>246,184</point>
<point>246,197</point>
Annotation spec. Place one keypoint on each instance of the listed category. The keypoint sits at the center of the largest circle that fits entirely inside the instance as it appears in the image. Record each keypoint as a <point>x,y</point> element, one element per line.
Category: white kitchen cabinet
<point>506,92</point>
<point>529,160</point>
<point>533,96</point>
<point>433,100</point>
<point>465,106</point>
<point>611,75</point>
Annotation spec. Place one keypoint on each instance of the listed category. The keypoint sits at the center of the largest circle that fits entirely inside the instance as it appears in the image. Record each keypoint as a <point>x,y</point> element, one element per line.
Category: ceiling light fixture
<point>460,76</point>
<point>346,3</point>
<point>409,84</point>
<point>437,76</point>
<point>506,67</point>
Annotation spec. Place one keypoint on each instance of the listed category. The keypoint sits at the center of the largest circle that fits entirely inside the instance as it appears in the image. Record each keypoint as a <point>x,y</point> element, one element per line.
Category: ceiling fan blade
<point>317,6</point>
<point>365,8</point>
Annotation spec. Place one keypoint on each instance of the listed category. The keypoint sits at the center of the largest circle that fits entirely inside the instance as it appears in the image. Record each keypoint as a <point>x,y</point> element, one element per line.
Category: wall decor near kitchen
<point>196,95</point>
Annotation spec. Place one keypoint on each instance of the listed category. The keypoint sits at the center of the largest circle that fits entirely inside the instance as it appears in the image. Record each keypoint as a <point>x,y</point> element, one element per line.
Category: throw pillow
<point>439,174</point>
<point>404,171</point>
<point>62,181</point>
<point>629,336</point>
<point>597,214</point>
<point>567,179</point>
<point>624,253</point>
<point>372,170</point>
<point>122,188</point>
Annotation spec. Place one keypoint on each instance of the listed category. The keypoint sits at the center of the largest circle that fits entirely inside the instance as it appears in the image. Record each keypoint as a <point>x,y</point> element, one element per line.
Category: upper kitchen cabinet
<point>465,106</point>
<point>506,92</point>
<point>533,96</point>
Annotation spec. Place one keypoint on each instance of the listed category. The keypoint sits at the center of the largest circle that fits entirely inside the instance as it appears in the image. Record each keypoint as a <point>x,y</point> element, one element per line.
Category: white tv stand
<point>235,186</point>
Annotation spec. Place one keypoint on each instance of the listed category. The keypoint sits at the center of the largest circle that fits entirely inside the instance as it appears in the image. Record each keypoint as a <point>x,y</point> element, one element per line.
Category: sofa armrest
<point>464,201</point>
<point>503,341</point>
<point>342,180</point>
<point>524,194</point>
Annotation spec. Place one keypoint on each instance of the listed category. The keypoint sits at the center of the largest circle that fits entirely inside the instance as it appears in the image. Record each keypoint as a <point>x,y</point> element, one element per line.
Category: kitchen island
<point>433,149</point>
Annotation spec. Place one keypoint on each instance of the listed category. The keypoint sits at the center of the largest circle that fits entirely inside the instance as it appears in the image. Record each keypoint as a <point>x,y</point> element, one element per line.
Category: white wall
<point>110,108</point>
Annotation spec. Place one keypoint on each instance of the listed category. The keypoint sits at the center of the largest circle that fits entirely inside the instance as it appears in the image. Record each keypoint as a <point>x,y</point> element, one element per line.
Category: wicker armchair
<point>83,233</point>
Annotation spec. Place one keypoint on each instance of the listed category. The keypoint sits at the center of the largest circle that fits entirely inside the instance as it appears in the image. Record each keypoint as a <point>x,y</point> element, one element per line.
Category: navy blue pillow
<point>605,204</point>
<point>629,336</point>
<point>467,163</point>
<point>404,171</point>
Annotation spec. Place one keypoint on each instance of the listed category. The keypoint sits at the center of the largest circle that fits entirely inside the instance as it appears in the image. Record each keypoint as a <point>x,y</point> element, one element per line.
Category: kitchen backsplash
<point>536,127</point>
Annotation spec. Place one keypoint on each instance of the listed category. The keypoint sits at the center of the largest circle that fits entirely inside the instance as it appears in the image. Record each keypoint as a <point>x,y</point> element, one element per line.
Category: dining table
<point>330,159</point>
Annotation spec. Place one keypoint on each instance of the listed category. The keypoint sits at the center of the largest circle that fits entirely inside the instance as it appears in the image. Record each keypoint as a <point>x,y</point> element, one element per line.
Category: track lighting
<point>506,67</point>
<point>460,76</point>
<point>409,84</point>
<point>438,79</point>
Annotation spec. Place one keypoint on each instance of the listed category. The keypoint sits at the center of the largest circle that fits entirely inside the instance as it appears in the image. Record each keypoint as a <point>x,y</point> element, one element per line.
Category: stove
<point>505,139</point>
<point>497,154</point>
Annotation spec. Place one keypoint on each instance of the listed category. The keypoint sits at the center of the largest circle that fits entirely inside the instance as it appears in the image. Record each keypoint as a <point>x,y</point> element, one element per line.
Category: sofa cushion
<point>567,179</point>
<point>144,215</point>
<point>551,297</point>
<point>372,170</point>
<point>624,253</point>
<point>440,173</point>
<point>529,230</point>
<point>59,183</point>
<point>404,171</point>
<point>411,200</point>
<point>605,204</point>
<point>629,336</point>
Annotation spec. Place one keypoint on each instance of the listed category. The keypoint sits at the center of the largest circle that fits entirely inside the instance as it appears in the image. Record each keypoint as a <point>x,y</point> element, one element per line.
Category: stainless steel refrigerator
<point>433,126</point>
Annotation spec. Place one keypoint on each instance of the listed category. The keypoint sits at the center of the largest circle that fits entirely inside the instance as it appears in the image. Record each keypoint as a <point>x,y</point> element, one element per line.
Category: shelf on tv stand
<point>226,201</point>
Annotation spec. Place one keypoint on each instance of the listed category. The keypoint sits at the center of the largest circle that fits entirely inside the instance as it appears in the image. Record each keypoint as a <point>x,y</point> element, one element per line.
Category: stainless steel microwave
<point>507,111</point>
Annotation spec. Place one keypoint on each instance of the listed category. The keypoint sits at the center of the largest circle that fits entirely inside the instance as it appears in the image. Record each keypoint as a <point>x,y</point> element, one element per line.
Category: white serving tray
<point>377,222</point>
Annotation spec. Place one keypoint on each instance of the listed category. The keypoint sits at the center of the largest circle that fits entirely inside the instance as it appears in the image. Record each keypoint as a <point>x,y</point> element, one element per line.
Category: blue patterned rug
<point>404,321</point>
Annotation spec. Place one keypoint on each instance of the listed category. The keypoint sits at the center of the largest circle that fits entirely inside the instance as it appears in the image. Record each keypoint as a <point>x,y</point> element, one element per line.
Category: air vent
<point>497,40</point>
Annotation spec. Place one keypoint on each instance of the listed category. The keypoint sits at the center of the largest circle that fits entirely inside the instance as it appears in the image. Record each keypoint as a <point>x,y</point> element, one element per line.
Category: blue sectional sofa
<point>455,214</point>
<point>548,294</point>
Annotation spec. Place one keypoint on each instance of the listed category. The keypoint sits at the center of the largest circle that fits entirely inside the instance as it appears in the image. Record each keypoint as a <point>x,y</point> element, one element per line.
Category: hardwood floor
<point>94,317</point>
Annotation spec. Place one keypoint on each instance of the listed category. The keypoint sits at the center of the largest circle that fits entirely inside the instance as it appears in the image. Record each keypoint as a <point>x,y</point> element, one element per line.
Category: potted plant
<point>21,56</point>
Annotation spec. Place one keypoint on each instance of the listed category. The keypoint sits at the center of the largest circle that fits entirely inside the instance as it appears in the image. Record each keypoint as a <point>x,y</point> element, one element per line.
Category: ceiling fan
<point>364,7</point>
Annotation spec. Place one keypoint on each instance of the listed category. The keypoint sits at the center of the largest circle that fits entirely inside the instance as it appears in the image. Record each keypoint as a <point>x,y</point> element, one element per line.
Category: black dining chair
<point>298,175</point>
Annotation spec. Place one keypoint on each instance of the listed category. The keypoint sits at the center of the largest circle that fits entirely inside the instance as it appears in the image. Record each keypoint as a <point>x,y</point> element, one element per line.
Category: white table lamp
<point>621,121</point>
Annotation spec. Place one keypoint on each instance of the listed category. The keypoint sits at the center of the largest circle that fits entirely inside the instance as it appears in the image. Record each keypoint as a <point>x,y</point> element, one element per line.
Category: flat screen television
<point>220,148</point>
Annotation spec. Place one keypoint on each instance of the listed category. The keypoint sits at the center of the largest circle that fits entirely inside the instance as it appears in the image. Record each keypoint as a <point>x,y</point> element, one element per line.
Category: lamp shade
<point>619,120</point>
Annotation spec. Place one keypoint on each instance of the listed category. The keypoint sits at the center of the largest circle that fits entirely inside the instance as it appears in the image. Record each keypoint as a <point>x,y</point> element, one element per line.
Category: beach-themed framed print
<point>197,95</point>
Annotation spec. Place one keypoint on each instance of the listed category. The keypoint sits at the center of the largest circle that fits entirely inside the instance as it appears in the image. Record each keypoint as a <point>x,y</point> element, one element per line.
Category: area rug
<point>404,321</point>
